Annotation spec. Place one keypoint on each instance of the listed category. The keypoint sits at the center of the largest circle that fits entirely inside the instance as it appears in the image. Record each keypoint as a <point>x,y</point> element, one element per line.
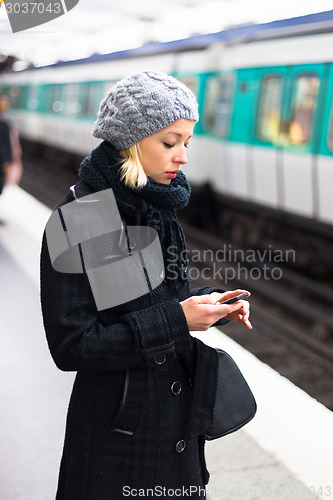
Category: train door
<point>263,170</point>
<point>325,158</point>
<point>301,120</point>
<point>216,117</point>
<point>238,154</point>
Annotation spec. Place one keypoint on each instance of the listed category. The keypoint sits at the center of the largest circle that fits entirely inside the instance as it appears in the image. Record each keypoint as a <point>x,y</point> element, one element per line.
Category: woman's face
<point>163,153</point>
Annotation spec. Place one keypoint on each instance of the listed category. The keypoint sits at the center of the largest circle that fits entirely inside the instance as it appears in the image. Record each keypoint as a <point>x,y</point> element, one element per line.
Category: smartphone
<point>234,299</point>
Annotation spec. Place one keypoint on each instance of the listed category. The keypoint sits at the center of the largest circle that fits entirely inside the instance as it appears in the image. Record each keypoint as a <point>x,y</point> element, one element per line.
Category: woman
<point>144,392</point>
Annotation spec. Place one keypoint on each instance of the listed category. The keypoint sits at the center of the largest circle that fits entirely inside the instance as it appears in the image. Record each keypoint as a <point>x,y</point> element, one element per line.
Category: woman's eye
<point>167,145</point>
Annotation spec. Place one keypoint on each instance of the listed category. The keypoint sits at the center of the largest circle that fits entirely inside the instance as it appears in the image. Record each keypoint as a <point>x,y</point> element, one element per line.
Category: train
<point>264,141</point>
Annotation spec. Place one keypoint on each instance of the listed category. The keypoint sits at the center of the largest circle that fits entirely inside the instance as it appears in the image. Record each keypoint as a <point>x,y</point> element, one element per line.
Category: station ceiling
<point>101,26</point>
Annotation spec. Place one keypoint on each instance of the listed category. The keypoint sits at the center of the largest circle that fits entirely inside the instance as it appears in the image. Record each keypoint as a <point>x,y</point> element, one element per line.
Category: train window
<point>72,104</point>
<point>304,105</point>
<point>243,87</point>
<point>212,87</point>
<point>54,99</point>
<point>16,97</point>
<point>33,98</point>
<point>218,104</point>
<point>57,106</point>
<point>268,122</point>
<point>91,99</point>
<point>107,87</point>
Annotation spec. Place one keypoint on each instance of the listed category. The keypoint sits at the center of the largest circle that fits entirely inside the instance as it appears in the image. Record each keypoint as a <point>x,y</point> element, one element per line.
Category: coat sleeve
<point>79,341</point>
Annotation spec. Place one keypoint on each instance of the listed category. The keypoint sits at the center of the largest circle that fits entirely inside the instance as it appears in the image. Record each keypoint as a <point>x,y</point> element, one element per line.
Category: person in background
<point>10,149</point>
<point>144,392</point>
<point>5,144</point>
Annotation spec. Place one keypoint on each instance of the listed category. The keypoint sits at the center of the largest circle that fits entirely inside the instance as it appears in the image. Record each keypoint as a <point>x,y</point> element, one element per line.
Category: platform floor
<point>34,396</point>
<point>241,469</point>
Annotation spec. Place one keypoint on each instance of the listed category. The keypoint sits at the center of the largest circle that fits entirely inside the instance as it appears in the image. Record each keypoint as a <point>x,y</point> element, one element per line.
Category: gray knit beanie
<point>142,104</point>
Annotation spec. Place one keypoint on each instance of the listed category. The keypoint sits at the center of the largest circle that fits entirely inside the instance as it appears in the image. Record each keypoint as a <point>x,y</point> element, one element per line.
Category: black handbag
<point>235,405</point>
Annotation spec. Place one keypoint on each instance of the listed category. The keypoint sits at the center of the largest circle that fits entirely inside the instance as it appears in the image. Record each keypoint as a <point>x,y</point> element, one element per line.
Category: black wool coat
<point>143,395</point>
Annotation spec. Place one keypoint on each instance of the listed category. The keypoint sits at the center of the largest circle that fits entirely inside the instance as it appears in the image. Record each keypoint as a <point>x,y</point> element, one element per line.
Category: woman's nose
<point>181,157</point>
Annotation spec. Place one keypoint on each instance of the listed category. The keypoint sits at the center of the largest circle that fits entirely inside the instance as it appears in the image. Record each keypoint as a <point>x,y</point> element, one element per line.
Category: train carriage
<point>265,135</point>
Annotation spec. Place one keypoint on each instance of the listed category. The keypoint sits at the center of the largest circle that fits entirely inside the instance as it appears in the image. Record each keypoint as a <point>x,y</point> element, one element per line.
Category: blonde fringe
<point>131,170</point>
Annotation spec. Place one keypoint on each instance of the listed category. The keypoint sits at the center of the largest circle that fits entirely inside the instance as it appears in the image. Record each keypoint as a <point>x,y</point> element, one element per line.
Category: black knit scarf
<point>154,205</point>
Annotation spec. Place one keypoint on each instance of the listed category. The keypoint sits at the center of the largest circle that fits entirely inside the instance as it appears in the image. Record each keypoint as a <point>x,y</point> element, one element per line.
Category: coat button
<point>176,388</point>
<point>159,360</point>
<point>184,269</point>
<point>180,446</point>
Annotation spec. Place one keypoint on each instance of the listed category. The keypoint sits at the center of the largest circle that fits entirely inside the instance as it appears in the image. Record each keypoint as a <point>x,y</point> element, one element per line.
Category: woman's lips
<point>173,174</point>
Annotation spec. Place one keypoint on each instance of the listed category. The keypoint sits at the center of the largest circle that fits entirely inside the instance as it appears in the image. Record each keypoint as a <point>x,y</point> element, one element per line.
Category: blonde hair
<point>131,170</point>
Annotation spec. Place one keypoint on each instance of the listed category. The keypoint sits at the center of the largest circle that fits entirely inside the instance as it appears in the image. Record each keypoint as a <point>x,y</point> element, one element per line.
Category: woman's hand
<point>242,313</point>
<point>202,311</point>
